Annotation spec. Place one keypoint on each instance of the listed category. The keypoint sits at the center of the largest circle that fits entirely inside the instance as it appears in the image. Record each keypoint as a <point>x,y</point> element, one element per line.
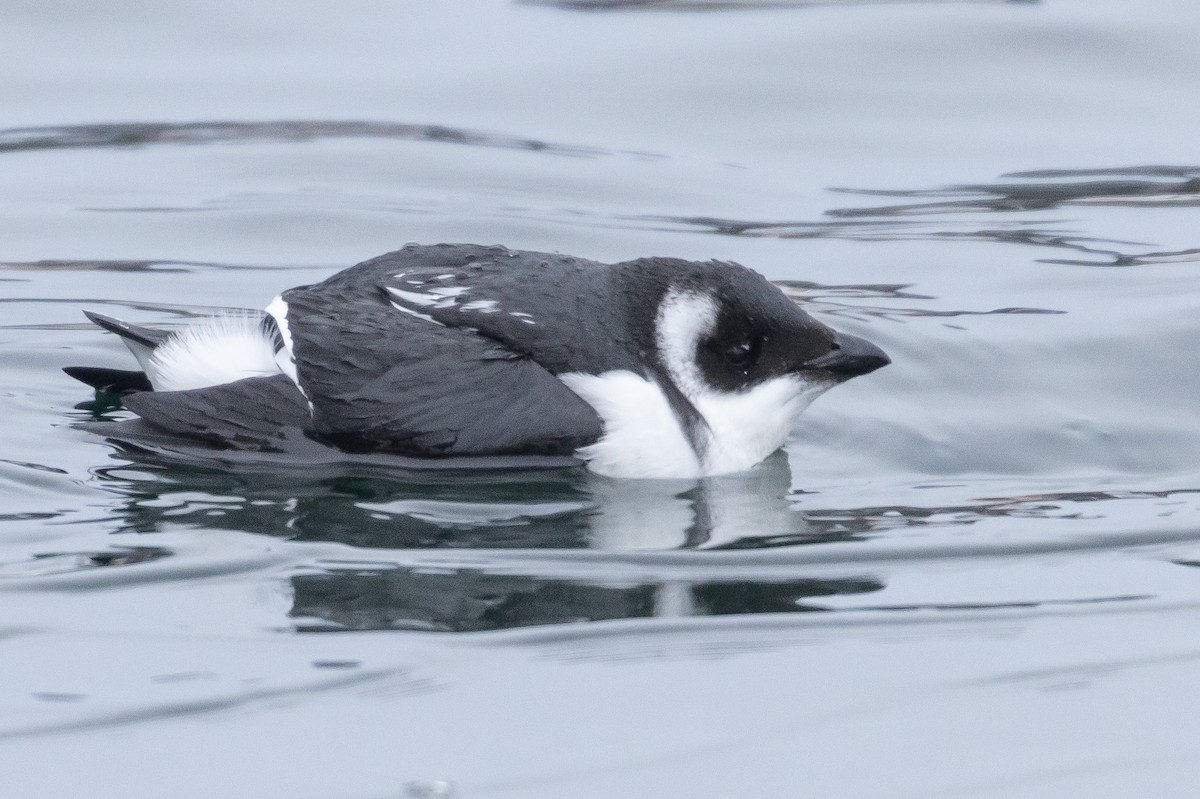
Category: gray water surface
<point>973,573</point>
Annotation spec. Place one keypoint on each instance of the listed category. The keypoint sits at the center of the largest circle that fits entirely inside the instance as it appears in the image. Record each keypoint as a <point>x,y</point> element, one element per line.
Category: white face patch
<point>684,318</point>
<point>212,352</point>
<point>643,437</point>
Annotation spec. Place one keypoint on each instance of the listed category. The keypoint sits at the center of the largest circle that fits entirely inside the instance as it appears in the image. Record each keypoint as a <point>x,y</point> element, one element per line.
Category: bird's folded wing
<point>381,379</point>
<point>251,414</point>
<point>466,402</point>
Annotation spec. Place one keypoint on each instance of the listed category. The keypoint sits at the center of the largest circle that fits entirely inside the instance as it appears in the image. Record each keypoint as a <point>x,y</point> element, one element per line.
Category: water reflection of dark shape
<point>510,510</point>
<point>52,563</point>
<point>828,299</point>
<point>105,265</point>
<point>465,600</point>
<point>929,221</point>
<point>142,134</point>
<point>945,214</point>
<point>554,509</point>
<point>1044,189</point>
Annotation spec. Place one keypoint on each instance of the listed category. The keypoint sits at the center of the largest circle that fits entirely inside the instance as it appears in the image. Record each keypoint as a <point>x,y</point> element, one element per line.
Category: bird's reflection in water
<point>470,600</point>
<point>531,511</point>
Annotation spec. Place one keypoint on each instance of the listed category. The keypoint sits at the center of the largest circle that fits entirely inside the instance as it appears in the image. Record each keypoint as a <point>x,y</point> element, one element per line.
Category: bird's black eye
<point>744,353</point>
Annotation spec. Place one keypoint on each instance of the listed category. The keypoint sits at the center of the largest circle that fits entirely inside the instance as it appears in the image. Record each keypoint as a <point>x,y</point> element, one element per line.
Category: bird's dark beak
<point>851,356</point>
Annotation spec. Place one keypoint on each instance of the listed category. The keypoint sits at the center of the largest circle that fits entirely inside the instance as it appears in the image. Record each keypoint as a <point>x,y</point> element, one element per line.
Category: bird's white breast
<point>642,437</point>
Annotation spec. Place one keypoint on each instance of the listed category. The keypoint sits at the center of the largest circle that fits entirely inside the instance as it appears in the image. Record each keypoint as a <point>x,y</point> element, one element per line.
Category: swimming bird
<point>473,355</point>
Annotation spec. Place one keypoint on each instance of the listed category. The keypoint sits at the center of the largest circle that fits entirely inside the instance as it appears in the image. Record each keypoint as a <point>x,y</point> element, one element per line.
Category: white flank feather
<point>285,358</point>
<point>211,352</point>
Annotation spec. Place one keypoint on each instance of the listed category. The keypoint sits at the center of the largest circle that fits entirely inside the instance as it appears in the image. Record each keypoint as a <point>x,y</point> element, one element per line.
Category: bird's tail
<point>213,351</point>
<point>141,341</point>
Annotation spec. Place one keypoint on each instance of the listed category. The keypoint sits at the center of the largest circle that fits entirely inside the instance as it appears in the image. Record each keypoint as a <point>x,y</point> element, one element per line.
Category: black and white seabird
<point>656,367</point>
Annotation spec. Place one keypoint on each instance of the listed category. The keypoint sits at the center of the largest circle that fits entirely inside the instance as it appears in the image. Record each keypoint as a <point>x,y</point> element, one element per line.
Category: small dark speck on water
<point>429,789</point>
<point>48,696</point>
<point>336,664</point>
